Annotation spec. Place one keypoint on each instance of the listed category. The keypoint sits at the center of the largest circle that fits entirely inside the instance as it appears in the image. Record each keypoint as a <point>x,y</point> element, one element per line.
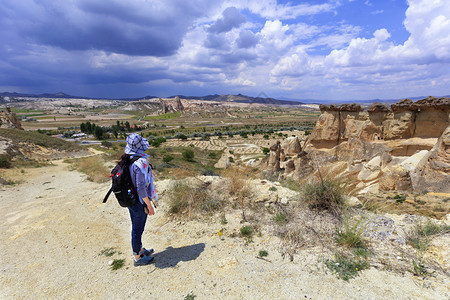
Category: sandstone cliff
<point>425,118</point>
<point>8,119</point>
<point>402,147</point>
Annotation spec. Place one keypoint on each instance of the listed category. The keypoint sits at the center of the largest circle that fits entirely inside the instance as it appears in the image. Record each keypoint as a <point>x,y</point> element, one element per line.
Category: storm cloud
<point>324,49</point>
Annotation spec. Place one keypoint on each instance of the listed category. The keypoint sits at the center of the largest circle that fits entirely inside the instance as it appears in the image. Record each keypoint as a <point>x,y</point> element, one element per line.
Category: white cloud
<point>295,65</point>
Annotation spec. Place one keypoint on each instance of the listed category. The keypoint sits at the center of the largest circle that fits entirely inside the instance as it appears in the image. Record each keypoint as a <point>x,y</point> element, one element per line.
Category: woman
<point>142,178</point>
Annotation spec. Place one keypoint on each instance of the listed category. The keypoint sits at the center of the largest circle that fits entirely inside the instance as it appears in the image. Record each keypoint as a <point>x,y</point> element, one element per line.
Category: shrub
<point>212,154</point>
<point>351,235</point>
<point>281,218</point>
<point>209,172</point>
<point>191,199</point>
<point>246,231</point>
<point>420,236</point>
<point>324,195</point>
<point>266,136</point>
<point>188,154</point>
<point>265,150</point>
<point>107,144</point>
<point>346,267</point>
<point>167,158</point>
<point>94,168</point>
<point>5,161</point>
<point>117,264</point>
<point>158,141</point>
<point>180,135</point>
<point>263,253</point>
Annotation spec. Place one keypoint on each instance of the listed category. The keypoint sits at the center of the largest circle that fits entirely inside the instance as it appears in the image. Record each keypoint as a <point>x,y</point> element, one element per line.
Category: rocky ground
<point>55,229</point>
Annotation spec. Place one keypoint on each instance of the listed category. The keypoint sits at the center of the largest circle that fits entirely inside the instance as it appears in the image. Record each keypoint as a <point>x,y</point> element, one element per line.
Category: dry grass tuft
<point>326,194</point>
<point>93,167</point>
<point>193,199</point>
<point>239,188</point>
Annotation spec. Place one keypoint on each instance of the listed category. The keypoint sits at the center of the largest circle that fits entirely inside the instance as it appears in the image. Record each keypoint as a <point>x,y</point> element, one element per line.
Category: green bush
<point>351,235</point>
<point>265,150</point>
<point>420,236</point>
<point>188,154</point>
<point>263,253</point>
<point>346,267</point>
<point>281,218</point>
<point>167,158</point>
<point>246,231</point>
<point>5,161</point>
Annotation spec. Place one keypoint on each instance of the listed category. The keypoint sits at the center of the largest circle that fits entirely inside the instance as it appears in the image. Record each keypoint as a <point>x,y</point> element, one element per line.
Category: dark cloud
<point>247,39</point>
<point>232,18</point>
<point>154,28</point>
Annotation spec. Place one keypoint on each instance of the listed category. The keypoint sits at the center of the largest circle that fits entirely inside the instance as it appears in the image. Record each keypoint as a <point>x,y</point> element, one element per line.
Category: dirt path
<point>54,227</point>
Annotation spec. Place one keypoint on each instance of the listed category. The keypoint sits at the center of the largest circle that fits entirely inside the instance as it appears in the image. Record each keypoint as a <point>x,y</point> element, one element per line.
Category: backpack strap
<point>107,195</point>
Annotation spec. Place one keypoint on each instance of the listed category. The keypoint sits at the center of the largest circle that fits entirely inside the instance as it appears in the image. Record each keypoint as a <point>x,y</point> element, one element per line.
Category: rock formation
<point>402,147</point>
<point>174,105</point>
<point>425,118</point>
<point>8,119</point>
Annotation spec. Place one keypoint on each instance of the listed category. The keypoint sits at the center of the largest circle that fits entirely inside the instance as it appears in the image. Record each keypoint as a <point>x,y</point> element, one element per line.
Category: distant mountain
<point>45,95</point>
<point>221,98</point>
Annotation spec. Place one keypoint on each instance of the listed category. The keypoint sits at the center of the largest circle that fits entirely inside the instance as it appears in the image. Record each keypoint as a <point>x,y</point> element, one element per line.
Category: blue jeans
<point>138,219</point>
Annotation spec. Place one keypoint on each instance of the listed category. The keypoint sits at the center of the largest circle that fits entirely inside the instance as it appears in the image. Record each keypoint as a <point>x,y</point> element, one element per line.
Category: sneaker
<point>147,252</point>
<point>144,260</point>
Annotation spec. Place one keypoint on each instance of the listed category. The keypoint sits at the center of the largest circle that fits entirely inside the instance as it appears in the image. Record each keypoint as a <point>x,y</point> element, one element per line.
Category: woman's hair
<point>123,159</point>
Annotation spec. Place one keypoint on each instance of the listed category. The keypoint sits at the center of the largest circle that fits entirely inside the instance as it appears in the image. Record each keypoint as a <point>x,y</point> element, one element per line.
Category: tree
<point>188,155</point>
<point>98,132</point>
<point>114,132</point>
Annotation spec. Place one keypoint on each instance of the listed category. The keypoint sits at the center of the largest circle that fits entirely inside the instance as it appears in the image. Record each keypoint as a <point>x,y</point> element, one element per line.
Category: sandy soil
<point>54,228</point>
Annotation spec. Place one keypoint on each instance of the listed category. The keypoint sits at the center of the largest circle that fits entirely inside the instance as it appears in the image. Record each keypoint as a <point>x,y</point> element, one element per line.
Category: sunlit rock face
<point>8,119</point>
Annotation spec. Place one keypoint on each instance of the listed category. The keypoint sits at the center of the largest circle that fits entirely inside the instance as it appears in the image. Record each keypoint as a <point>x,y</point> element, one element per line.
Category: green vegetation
<point>108,252</point>
<point>345,266</point>
<point>223,220</point>
<point>281,218</point>
<point>167,158</point>
<point>246,231</point>
<point>263,253</point>
<point>324,195</point>
<point>166,116</point>
<point>188,154</point>
<point>272,189</point>
<point>190,296</point>
<point>420,236</point>
<point>117,264</point>
<point>351,235</point>
<point>5,162</point>
<point>399,198</point>
<point>22,136</point>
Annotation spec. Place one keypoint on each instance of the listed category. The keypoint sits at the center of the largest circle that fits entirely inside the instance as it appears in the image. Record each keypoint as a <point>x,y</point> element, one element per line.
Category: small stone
<point>110,262</point>
<point>227,261</point>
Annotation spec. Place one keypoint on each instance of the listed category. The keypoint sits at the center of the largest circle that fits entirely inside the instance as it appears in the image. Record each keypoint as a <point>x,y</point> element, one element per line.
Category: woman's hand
<point>151,210</point>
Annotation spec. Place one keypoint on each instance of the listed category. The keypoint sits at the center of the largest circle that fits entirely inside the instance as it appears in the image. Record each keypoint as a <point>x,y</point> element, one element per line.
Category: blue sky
<point>335,49</point>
